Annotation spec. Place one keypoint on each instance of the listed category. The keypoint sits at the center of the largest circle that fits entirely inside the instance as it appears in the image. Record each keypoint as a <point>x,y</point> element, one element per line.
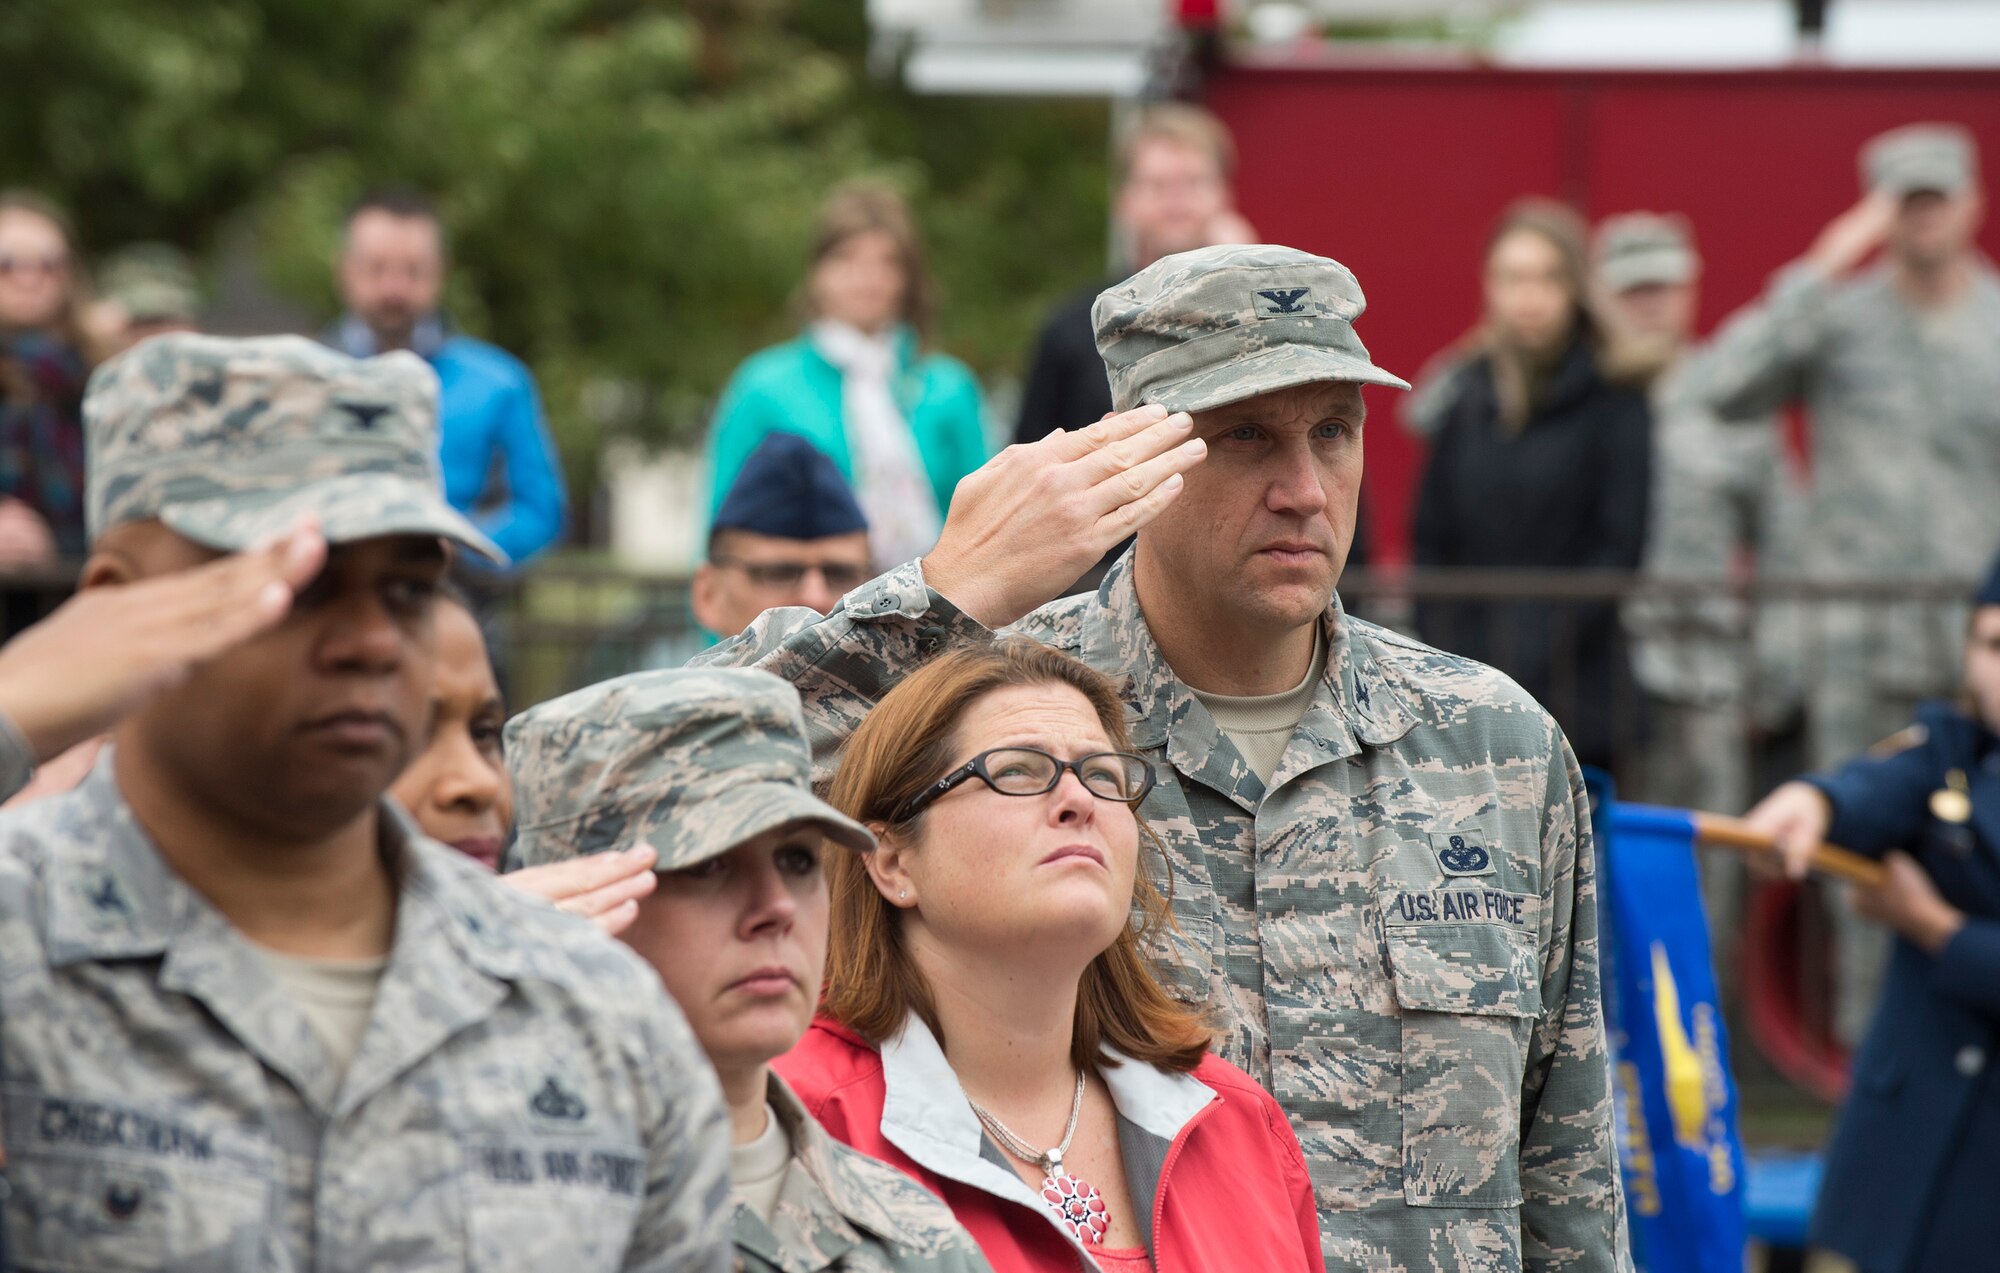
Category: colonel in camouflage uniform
<point>711,768</point>
<point>253,1019</point>
<point>1380,852</point>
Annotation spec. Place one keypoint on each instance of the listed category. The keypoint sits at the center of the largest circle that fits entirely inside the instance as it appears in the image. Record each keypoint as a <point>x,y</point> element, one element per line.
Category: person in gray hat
<point>314,1038</point>
<point>710,771</point>
<point>1722,492</point>
<point>1713,669</point>
<point>1894,365</point>
<point>146,289</point>
<point>1379,852</point>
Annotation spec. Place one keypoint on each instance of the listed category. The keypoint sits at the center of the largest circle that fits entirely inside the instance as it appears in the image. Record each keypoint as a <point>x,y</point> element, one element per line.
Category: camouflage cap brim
<point>1916,176</point>
<point>1638,269</point>
<point>1919,157</point>
<point>741,814</point>
<point>158,302</point>
<point>350,507</point>
<point>1266,371</point>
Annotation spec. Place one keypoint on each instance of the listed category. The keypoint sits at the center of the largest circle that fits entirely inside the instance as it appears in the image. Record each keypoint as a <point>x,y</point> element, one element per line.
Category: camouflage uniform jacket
<point>1905,412</point>
<point>525,1095</point>
<point>841,1209</point>
<point>1718,487</point>
<point>1399,938</point>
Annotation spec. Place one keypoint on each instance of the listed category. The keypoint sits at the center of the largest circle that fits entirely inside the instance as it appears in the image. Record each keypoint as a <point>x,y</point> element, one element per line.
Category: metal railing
<point>1606,652</point>
<point>1614,656</point>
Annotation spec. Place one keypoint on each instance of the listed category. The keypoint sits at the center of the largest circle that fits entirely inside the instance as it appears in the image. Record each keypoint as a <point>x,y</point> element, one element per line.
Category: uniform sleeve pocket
<point>77,1211</point>
<point>1468,1001</point>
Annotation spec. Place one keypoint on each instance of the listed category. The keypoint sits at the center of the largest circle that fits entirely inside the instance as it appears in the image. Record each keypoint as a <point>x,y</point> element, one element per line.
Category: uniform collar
<point>111,896</point>
<point>822,1185</point>
<point>1356,703</point>
<point>1956,724</point>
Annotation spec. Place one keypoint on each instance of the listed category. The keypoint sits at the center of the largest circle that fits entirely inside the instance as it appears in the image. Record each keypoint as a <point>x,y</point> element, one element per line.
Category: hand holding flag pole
<point>1714,830</point>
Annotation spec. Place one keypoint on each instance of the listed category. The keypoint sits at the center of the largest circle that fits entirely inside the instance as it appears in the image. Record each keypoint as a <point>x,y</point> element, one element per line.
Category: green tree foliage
<point>629,184</point>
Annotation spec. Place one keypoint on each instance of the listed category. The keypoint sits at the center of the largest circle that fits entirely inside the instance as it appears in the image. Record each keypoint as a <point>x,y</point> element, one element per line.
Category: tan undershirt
<point>757,1169</point>
<point>335,994</point>
<point>1261,725</point>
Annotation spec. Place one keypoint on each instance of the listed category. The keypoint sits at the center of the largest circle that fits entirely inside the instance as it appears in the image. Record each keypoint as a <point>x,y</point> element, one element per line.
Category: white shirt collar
<point>925,1113</point>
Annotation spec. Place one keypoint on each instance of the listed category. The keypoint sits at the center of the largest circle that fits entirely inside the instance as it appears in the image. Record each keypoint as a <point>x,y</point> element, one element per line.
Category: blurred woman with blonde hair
<point>903,425</point>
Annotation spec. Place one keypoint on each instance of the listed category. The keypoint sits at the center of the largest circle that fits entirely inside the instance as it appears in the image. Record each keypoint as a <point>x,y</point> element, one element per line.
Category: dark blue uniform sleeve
<point>1968,968</point>
<point>1880,802</point>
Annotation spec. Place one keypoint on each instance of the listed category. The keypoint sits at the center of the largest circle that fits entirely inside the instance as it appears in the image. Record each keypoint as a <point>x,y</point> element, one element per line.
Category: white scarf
<point>890,483</point>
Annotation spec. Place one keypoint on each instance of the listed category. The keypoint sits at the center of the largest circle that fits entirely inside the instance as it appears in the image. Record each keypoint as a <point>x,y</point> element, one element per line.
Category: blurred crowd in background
<point>1579,425</point>
<point>1582,424</point>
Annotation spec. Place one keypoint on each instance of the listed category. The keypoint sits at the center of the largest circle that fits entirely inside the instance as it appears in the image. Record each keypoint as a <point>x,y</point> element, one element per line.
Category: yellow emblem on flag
<point>1687,1098</point>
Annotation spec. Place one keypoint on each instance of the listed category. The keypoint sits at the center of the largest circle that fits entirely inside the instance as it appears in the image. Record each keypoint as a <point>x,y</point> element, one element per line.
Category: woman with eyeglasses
<point>991,1022</point>
<point>44,363</point>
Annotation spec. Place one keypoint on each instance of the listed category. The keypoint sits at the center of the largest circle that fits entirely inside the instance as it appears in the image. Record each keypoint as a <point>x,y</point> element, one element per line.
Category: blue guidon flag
<point>1675,1101</point>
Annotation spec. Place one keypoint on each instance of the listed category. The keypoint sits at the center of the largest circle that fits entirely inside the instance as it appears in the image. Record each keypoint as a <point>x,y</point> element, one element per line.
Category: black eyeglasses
<point>1030,771</point>
<point>786,574</point>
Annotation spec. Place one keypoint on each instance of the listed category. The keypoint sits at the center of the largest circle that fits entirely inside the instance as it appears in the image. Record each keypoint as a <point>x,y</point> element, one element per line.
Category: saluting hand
<point>604,888</point>
<point>1031,520</point>
<point>1850,238</point>
<point>106,650</point>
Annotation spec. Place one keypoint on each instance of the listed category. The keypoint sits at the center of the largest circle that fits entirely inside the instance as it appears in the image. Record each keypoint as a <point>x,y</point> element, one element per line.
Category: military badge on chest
<point>1953,801</point>
<point>1951,806</point>
<point>1462,853</point>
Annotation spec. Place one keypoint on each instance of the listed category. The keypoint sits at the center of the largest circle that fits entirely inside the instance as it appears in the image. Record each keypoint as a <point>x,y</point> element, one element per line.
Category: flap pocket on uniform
<point>1465,968</point>
<point>1481,967</point>
<point>78,1211</point>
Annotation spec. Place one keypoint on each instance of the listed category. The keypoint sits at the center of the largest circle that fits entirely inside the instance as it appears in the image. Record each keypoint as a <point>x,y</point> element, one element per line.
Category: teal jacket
<point>791,387</point>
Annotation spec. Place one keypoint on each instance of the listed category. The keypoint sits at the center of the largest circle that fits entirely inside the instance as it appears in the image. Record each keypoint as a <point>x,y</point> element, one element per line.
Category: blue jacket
<point>791,387</point>
<point>488,414</point>
<point>488,410</point>
<point>1915,1158</point>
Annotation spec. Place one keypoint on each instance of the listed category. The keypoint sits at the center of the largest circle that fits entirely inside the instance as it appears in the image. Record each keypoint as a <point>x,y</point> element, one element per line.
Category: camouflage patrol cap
<point>1217,325</point>
<point>228,442</point>
<point>1917,157</point>
<point>1634,249</point>
<point>692,762</point>
<point>152,282</point>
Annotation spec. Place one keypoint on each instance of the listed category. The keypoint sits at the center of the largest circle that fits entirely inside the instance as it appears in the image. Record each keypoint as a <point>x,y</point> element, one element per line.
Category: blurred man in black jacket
<point>1173,196</point>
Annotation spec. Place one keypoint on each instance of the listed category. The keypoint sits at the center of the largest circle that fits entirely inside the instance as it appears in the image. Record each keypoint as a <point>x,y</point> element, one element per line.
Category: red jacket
<point>1233,1192</point>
